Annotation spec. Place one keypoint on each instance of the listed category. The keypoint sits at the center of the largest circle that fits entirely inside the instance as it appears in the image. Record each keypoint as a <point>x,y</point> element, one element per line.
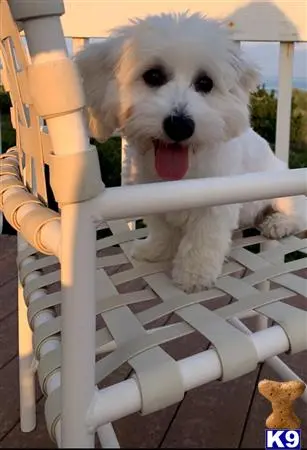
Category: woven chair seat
<point>140,312</point>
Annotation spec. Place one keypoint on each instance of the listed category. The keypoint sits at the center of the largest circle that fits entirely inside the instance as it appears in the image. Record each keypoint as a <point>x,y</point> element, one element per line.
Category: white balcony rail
<point>272,21</point>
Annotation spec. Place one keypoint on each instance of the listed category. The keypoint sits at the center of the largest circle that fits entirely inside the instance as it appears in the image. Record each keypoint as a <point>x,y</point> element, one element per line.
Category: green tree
<point>263,109</point>
<point>109,154</point>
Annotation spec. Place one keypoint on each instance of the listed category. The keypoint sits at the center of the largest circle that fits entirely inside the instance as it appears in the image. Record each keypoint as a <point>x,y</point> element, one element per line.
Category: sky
<point>266,56</point>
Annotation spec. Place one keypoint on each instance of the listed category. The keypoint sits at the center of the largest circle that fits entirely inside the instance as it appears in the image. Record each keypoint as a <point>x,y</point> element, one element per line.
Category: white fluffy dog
<point>177,86</point>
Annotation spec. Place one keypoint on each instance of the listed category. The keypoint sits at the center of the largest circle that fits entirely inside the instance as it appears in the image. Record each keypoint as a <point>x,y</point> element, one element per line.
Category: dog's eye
<point>155,77</point>
<point>203,84</point>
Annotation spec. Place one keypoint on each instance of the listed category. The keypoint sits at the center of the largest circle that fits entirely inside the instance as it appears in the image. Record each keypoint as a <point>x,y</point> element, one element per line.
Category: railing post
<point>124,163</point>
<point>78,44</point>
<point>283,124</point>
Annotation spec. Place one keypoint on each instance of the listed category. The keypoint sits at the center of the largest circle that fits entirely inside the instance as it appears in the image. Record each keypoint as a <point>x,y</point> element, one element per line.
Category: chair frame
<point>70,237</point>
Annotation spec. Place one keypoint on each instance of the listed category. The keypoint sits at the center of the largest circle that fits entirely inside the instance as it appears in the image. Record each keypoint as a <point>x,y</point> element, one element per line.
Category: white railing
<point>270,21</point>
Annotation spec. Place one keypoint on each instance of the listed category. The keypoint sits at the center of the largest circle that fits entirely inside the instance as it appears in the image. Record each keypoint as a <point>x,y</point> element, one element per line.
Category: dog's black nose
<point>178,127</point>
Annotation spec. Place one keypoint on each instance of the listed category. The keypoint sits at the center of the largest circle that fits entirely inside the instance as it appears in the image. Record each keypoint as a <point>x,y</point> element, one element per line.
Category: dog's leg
<point>278,225</point>
<point>285,216</point>
<point>161,243</point>
<point>202,250</point>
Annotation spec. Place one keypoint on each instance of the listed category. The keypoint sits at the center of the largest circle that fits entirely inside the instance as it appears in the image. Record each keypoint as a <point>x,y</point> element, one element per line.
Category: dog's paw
<point>193,281</point>
<point>278,225</point>
<point>143,250</point>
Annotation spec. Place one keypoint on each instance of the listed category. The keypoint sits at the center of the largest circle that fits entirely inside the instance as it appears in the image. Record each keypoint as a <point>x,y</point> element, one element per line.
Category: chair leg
<point>78,278</point>
<point>262,322</point>
<point>265,286</point>
<point>107,436</point>
<point>26,373</point>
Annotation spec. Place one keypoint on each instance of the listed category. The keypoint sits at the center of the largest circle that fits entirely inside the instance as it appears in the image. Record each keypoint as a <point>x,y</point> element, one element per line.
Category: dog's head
<point>172,82</point>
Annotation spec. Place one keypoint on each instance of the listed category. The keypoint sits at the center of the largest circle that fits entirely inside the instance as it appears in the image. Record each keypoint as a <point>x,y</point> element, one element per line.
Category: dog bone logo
<point>282,396</point>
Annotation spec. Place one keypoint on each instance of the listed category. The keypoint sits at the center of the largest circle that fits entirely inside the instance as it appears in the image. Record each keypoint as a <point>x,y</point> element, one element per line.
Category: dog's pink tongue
<point>172,160</point>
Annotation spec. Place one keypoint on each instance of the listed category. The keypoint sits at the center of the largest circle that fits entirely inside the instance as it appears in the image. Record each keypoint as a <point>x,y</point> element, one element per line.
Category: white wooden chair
<point>70,356</point>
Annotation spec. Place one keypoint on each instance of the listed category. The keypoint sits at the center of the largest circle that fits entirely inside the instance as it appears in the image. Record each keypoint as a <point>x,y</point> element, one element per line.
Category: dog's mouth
<point>171,160</point>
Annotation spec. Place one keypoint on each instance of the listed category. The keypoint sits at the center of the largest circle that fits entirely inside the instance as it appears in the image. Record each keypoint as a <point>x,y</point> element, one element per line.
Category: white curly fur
<point>222,144</point>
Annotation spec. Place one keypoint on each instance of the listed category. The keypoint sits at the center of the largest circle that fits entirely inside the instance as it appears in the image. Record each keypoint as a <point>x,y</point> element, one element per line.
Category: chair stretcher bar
<point>42,227</point>
<point>153,198</point>
<point>124,398</point>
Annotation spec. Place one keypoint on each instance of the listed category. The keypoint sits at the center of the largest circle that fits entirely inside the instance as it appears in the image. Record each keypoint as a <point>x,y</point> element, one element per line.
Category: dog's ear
<point>249,73</point>
<point>96,64</point>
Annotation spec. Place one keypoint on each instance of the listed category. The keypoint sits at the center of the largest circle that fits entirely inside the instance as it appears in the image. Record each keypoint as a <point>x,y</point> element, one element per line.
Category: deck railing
<point>270,21</point>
